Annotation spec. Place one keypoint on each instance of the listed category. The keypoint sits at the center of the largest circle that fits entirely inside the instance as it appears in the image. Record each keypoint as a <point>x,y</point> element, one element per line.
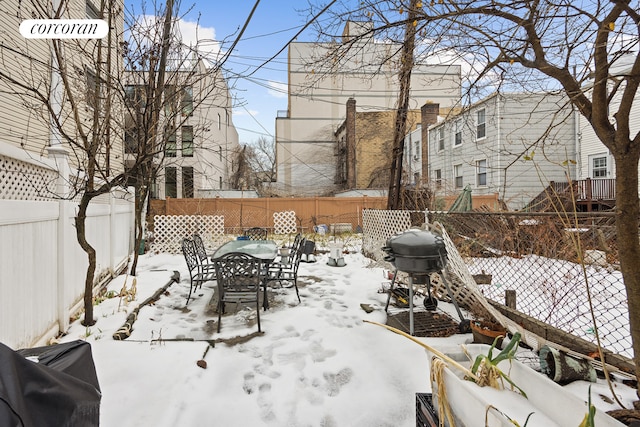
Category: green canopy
<point>463,202</point>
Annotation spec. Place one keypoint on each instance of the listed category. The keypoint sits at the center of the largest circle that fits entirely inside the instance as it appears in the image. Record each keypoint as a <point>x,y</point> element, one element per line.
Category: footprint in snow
<point>334,382</point>
<point>249,383</point>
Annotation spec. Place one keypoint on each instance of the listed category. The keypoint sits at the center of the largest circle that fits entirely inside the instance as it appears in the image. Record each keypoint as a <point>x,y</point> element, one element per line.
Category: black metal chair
<point>256,233</point>
<point>288,271</point>
<point>198,275</point>
<point>203,258</point>
<point>240,277</point>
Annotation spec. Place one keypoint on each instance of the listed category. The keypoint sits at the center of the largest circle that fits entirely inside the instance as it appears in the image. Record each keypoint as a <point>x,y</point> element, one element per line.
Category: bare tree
<point>261,157</point>
<point>77,90</point>
<point>587,50</point>
<point>74,91</point>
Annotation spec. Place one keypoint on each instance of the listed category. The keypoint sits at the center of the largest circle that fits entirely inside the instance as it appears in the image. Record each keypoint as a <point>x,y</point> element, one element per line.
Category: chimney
<point>350,142</point>
<point>429,116</point>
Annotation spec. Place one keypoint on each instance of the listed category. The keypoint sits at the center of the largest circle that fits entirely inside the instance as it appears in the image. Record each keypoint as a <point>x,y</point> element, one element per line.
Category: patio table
<point>266,250</point>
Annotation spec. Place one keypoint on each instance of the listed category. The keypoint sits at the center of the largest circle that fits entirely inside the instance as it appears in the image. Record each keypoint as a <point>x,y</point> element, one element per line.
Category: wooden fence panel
<point>258,212</point>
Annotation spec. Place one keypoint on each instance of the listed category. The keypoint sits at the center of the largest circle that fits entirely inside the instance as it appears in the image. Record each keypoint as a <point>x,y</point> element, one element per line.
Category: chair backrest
<point>256,233</point>
<point>296,242</point>
<point>239,272</point>
<point>190,254</point>
<point>297,254</point>
<point>200,249</point>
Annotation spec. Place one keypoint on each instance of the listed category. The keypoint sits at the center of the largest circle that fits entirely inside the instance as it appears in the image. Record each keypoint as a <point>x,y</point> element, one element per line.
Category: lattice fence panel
<point>378,226</point>
<point>284,222</point>
<point>462,284</point>
<point>169,230</point>
<point>24,181</point>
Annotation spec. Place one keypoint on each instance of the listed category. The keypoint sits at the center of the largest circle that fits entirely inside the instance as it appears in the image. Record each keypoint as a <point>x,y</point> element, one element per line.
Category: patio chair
<point>288,271</point>
<point>256,233</point>
<point>240,277</point>
<point>204,258</point>
<point>198,275</point>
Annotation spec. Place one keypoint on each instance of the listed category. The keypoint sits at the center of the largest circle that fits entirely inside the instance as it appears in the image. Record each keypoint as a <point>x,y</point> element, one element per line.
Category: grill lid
<point>416,251</point>
<point>416,243</point>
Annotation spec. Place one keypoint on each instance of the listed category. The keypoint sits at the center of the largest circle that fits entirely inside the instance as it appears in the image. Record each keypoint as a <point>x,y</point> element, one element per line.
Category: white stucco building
<point>319,86</point>
<point>201,140</point>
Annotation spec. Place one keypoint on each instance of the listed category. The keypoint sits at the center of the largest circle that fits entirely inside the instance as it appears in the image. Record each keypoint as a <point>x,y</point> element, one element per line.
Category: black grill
<point>416,251</point>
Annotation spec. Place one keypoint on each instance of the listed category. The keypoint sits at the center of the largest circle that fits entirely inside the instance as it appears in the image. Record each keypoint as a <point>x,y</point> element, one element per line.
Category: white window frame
<point>457,133</point>
<point>481,124</point>
<point>458,178</point>
<point>437,177</point>
<point>481,172</point>
<point>440,132</point>
<point>593,169</point>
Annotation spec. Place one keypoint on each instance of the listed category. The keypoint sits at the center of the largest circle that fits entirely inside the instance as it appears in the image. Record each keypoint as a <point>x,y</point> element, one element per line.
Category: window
<point>481,130</point>
<point>172,147</point>
<point>481,172</point>
<point>170,183</point>
<point>220,182</point>
<point>416,155</point>
<point>130,143</point>
<point>187,182</point>
<point>457,139</point>
<point>187,141</point>
<point>169,98</point>
<point>220,153</point>
<point>219,122</point>
<point>135,95</point>
<point>441,138</point>
<point>186,102</point>
<point>599,167</point>
<point>437,177</point>
<point>457,174</point>
<point>91,11</point>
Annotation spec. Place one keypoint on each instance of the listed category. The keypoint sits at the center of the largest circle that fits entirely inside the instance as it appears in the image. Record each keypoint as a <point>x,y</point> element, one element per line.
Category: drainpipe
<point>577,137</point>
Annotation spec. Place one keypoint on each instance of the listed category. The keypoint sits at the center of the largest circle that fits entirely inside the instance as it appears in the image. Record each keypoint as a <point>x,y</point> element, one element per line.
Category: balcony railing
<point>589,189</point>
<point>596,189</point>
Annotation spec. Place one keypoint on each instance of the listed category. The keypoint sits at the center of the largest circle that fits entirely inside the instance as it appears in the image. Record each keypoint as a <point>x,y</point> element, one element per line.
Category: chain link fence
<point>539,256</point>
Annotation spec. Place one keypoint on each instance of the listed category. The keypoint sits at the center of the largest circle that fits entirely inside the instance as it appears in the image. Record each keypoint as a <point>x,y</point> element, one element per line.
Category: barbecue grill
<point>419,253</point>
<point>416,251</point>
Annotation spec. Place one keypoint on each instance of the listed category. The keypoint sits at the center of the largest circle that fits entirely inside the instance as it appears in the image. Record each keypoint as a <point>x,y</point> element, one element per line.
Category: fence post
<point>510,298</point>
<point>65,231</point>
<point>112,228</point>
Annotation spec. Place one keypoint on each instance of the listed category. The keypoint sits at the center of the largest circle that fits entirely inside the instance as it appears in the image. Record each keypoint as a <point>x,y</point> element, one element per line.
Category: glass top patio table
<point>266,250</point>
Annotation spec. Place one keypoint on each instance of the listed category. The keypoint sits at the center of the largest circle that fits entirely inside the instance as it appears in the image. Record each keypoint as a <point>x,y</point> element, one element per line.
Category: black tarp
<point>53,386</point>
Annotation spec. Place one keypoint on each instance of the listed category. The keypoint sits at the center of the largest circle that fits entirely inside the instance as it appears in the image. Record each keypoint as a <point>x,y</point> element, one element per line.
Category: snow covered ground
<point>316,364</point>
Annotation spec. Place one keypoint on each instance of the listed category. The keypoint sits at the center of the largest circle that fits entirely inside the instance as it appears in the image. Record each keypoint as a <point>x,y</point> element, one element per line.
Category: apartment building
<point>510,144</point>
<point>320,85</point>
<point>199,140</point>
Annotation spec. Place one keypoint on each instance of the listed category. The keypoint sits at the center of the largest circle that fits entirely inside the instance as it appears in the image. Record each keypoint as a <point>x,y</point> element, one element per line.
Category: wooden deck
<point>589,195</point>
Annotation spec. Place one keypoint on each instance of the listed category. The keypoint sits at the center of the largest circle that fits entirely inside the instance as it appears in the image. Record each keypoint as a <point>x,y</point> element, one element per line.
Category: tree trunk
<point>627,217</point>
<point>142,191</point>
<point>395,174</point>
<point>80,222</point>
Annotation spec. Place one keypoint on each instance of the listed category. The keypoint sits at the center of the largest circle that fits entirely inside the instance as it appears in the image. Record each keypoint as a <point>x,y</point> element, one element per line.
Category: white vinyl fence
<point>42,267</point>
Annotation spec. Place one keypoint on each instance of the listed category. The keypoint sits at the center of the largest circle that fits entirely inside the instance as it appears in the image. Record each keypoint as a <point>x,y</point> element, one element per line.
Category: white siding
<point>517,125</point>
